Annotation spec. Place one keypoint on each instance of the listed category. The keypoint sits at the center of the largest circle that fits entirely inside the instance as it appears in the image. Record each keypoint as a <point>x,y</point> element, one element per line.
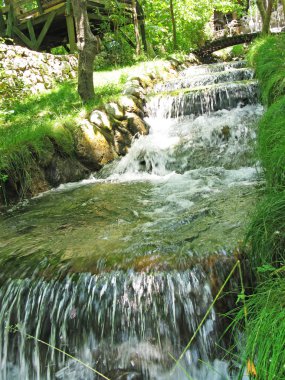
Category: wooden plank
<point>2,24</point>
<point>23,37</point>
<point>45,29</point>
<point>32,33</point>
<point>40,19</point>
<point>9,30</point>
<point>71,33</point>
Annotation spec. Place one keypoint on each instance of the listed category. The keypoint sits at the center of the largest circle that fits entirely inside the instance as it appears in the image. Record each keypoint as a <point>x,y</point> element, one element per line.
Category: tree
<point>137,28</point>
<point>174,32</point>
<point>265,8</point>
<point>88,46</point>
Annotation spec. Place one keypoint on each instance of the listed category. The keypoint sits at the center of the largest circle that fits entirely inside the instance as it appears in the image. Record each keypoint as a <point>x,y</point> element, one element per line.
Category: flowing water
<point>119,270</point>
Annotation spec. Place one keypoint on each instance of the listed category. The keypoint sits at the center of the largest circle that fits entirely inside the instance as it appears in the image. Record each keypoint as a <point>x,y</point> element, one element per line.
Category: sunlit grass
<point>267,56</point>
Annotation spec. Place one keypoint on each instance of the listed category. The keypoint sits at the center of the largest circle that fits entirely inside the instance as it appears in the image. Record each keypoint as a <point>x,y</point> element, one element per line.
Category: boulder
<point>100,119</point>
<point>92,147</point>
<point>136,124</point>
<point>115,110</point>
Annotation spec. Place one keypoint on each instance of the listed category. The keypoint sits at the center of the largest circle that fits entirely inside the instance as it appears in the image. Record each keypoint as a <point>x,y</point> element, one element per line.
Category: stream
<point>119,270</point>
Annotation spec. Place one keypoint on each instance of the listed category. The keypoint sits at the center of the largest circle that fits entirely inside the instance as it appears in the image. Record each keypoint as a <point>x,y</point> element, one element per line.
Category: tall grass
<point>271,144</point>
<point>265,330</point>
<point>267,56</point>
<point>267,232</point>
<point>264,327</point>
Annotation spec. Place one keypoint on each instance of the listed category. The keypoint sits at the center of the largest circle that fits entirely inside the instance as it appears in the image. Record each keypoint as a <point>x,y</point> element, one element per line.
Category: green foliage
<point>267,56</point>
<point>265,329</point>
<point>267,232</point>
<point>191,18</point>
<point>271,144</point>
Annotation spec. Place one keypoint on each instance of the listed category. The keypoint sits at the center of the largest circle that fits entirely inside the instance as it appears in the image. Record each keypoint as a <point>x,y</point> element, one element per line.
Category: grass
<point>267,232</point>
<point>271,144</point>
<point>267,56</point>
<point>29,125</point>
<point>265,329</point>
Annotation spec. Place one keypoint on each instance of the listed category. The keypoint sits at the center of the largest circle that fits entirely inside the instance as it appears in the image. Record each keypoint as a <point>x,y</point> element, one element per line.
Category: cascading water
<point>119,271</point>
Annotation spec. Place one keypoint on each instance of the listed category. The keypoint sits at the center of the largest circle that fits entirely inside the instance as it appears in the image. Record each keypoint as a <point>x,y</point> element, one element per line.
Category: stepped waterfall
<point>119,270</point>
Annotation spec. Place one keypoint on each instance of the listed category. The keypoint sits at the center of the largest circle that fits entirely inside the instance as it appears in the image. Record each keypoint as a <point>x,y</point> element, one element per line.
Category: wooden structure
<point>43,24</point>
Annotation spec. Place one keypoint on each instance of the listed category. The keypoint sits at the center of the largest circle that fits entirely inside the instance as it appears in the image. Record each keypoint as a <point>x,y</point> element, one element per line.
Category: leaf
<point>251,370</point>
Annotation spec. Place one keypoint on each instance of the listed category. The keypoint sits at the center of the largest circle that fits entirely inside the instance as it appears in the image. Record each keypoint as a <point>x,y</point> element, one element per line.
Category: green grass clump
<point>265,330</point>
<point>267,232</point>
<point>267,56</point>
<point>271,144</point>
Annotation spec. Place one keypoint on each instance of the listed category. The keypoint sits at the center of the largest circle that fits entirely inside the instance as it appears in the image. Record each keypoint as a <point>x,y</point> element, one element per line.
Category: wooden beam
<point>45,29</point>
<point>23,37</point>
<point>32,33</point>
<point>2,24</point>
<point>10,21</point>
<point>71,33</point>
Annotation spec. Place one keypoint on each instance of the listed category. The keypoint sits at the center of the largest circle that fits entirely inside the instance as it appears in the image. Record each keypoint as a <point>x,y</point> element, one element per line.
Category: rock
<point>136,124</point>
<point>100,119</point>
<point>123,140</point>
<point>136,91</point>
<point>143,80</point>
<point>92,147</point>
<point>65,169</point>
<point>131,104</point>
<point>39,87</point>
<point>113,109</point>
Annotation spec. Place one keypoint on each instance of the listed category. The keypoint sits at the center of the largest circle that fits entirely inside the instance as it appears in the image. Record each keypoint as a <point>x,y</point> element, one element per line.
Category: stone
<point>113,109</point>
<point>136,125</point>
<point>39,87</point>
<point>143,80</point>
<point>136,91</point>
<point>92,148</point>
<point>19,63</point>
<point>100,119</point>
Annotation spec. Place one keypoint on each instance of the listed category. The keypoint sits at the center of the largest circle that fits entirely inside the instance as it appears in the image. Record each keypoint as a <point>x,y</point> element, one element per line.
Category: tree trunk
<point>174,32</point>
<point>137,28</point>
<point>265,12</point>
<point>88,46</point>
<point>283,4</point>
<point>141,17</point>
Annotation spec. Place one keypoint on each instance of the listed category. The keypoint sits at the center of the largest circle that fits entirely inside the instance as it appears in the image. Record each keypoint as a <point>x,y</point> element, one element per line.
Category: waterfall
<point>120,270</point>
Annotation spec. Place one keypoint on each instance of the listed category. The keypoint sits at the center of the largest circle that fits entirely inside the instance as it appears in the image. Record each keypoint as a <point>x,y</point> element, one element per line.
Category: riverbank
<point>265,318</point>
<point>48,136</point>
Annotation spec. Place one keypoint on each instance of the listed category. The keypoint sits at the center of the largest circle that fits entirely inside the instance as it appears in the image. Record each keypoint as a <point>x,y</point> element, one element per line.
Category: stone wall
<point>34,71</point>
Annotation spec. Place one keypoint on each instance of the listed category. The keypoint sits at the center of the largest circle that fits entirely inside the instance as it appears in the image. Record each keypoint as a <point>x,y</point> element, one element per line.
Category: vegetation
<point>267,56</point>
<point>263,346</point>
<point>27,126</point>
<point>265,330</point>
